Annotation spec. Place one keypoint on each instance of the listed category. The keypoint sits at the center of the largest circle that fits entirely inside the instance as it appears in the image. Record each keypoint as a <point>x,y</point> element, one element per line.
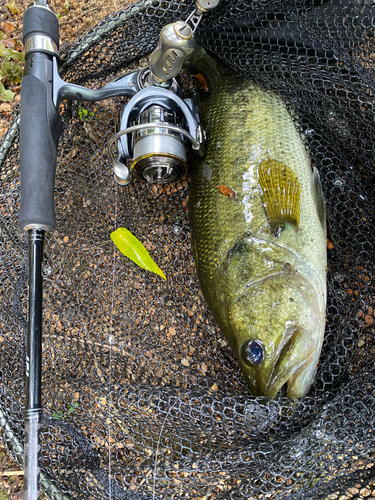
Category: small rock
<point>5,107</point>
<point>369,319</point>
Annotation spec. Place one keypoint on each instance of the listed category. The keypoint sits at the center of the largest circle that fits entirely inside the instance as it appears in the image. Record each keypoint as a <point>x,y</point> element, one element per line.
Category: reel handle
<point>176,42</point>
<point>40,123</point>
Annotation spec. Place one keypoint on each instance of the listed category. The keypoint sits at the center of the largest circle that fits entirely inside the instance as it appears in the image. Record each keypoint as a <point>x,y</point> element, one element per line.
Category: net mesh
<point>142,395</point>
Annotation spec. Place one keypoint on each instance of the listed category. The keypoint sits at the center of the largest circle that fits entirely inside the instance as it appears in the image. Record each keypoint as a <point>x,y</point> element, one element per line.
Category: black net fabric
<point>142,396</point>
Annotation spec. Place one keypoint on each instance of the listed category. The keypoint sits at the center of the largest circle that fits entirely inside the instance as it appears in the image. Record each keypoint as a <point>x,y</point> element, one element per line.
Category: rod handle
<point>40,127</point>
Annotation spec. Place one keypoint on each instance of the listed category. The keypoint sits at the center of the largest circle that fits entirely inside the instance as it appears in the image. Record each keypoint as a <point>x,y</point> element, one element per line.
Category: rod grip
<point>40,20</point>
<point>38,152</point>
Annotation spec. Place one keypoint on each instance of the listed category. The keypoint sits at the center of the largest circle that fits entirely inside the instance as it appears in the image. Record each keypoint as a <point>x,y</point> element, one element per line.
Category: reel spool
<point>159,152</point>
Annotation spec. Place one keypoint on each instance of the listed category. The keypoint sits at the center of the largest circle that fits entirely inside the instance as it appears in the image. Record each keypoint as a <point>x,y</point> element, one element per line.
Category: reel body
<point>156,126</point>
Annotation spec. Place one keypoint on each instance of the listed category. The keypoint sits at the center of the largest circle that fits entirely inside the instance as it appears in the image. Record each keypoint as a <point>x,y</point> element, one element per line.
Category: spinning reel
<point>157,125</point>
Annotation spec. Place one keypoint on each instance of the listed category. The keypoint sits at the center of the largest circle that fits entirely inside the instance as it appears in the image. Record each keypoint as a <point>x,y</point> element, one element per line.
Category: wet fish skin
<point>260,284</point>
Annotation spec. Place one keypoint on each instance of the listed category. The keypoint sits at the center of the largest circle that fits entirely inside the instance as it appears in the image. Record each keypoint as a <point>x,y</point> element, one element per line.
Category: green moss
<point>12,70</point>
<point>84,114</point>
<point>12,7</point>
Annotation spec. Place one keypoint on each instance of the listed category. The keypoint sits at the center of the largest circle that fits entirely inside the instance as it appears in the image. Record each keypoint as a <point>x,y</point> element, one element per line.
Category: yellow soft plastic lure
<point>132,248</point>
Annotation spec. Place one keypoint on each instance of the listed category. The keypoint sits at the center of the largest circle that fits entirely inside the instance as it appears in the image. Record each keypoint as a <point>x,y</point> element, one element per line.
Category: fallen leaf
<point>12,7</point>
<point>227,192</point>
<point>5,95</point>
<point>9,43</point>
<point>8,54</point>
<point>8,27</point>
<point>132,248</point>
<point>330,245</point>
<point>201,79</point>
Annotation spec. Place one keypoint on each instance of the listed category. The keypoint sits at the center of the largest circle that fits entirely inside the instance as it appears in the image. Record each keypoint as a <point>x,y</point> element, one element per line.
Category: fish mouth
<point>293,364</point>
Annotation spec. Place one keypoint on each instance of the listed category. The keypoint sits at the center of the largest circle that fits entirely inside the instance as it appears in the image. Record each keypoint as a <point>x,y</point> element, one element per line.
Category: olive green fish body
<point>261,252</point>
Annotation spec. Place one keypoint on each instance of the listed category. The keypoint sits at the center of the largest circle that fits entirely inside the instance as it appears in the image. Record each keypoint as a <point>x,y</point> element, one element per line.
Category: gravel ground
<point>75,17</point>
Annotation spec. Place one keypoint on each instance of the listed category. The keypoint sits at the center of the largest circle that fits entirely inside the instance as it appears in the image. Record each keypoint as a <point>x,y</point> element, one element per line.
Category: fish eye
<point>252,352</point>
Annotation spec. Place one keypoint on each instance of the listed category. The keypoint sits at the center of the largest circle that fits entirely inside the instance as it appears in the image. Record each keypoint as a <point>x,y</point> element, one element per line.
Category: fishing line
<point>110,355</point>
<point>158,444</point>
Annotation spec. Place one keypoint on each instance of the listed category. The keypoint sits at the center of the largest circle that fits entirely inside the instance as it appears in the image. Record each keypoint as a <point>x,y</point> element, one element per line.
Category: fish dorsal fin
<point>317,190</point>
<point>281,194</point>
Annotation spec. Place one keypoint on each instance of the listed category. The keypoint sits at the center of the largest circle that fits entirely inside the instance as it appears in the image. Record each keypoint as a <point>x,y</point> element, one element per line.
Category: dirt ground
<point>75,18</point>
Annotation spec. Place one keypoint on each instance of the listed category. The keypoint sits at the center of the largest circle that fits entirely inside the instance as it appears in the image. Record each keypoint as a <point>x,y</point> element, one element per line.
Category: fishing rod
<point>40,126</point>
<point>157,126</point>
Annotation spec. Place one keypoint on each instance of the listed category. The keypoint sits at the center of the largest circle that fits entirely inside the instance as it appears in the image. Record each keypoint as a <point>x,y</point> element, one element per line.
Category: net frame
<point>204,420</point>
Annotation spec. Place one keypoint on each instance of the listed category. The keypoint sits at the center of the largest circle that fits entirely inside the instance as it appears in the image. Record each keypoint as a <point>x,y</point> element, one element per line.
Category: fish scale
<point>264,280</point>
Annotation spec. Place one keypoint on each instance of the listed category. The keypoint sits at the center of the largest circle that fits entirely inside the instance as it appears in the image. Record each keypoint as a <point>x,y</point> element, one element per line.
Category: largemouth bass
<point>258,223</point>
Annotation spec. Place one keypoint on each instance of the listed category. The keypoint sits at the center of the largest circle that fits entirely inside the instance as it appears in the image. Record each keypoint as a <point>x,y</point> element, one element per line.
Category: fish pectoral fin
<point>295,356</point>
<point>317,190</point>
<point>280,193</point>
